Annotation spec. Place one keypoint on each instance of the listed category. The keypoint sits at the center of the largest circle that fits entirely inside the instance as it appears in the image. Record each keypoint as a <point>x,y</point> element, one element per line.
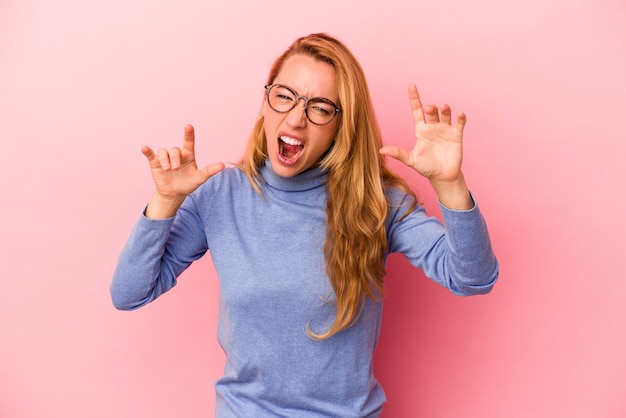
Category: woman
<point>299,233</point>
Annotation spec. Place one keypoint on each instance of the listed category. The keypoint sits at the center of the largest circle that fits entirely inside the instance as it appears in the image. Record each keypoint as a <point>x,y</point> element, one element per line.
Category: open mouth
<point>289,149</point>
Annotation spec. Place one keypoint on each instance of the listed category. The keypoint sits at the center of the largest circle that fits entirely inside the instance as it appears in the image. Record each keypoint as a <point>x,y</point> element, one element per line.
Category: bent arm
<point>458,256</point>
<point>470,264</point>
<point>156,253</point>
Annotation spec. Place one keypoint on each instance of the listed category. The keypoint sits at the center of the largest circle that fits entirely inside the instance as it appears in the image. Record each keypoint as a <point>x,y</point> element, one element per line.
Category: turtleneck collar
<point>310,179</point>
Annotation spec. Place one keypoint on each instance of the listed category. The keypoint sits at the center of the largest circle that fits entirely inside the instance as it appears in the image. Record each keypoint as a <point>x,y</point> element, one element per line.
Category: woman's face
<point>294,144</point>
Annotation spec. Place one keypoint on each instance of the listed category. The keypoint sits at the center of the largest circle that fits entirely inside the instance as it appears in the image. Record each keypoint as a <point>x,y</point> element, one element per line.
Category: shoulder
<point>402,204</point>
<point>229,182</point>
<point>398,198</point>
<point>228,178</point>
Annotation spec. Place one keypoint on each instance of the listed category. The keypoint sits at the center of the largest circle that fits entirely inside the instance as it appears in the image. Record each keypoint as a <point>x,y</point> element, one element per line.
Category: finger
<point>174,154</point>
<point>446,113</point>
<point>416,104</point>
<point>164,159</point>
<point>431,114</point>
<point>461,120</point>
<point>148,153</point>
<point>150,156</point>
<point>189,140</point>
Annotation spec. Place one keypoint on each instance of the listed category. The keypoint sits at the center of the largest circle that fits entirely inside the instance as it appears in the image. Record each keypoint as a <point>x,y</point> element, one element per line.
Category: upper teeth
<point>290,140</point>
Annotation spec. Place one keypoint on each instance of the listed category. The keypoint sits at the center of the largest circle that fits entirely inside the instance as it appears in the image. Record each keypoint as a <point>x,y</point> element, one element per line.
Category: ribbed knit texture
<point>268,253</point>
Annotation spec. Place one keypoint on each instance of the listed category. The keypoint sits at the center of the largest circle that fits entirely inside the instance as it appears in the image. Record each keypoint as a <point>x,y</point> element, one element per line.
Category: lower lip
<point>285,161</point>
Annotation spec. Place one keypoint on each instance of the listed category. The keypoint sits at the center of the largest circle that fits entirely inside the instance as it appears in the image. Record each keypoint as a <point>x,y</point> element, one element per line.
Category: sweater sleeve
<point>156,253</point>
<point>456,254</point>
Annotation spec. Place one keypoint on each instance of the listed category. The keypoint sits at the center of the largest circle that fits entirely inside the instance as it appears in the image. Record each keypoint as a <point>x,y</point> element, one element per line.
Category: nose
<point>296,117</point>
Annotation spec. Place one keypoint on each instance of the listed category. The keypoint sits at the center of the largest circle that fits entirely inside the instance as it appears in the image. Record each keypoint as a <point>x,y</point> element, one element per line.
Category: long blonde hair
<point>356,238</point>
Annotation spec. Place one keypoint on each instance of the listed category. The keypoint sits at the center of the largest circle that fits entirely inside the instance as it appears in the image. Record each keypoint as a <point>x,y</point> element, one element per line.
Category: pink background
<point>84,84</point>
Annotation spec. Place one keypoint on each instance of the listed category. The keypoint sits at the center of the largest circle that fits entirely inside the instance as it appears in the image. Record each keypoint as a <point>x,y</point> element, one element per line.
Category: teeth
<point>290,141</point>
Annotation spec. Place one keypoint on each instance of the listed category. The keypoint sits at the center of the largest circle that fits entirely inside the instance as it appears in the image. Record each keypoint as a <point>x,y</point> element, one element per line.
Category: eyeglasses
<point>318,110</point>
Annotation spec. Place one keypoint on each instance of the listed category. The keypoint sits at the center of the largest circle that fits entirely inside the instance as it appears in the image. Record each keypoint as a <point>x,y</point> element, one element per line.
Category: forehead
<point>308,76</point>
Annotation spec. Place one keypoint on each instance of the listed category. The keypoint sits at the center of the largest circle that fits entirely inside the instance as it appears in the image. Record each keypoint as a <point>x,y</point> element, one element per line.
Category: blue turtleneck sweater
<point>268,254</point>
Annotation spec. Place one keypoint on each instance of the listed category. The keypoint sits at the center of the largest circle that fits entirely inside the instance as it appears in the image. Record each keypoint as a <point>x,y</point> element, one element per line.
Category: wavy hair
<point>356,237</point>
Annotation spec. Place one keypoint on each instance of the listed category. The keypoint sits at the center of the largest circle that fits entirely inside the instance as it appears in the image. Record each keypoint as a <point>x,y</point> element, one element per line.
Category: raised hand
<point>438,151</point>
<point>175,175</point>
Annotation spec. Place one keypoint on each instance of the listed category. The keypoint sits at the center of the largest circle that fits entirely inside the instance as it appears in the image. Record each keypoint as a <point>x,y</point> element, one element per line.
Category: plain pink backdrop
<point>84,84</point>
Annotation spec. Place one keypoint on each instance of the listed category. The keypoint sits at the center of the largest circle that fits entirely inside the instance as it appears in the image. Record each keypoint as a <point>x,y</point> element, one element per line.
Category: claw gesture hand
<point>438,151</point>
<point>175,174</point>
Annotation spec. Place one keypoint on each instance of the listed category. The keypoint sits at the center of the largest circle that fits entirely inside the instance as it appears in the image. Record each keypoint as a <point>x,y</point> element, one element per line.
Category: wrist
<point>161,207</point>
<point>454,195</point>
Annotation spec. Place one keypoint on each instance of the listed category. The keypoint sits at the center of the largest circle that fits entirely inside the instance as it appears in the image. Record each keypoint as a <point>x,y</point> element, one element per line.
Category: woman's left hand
<point>438,151</point>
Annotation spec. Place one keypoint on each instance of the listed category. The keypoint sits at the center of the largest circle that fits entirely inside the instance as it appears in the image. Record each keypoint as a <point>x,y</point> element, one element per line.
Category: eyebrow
<point>308,97</point>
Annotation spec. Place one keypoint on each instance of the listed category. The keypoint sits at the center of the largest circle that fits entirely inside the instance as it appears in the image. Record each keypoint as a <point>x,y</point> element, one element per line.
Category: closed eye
<point>321,110</point>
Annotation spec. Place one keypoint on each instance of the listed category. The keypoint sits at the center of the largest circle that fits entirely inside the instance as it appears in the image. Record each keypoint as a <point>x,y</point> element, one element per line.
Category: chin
<point>284,171</point>
<point>284,168</point>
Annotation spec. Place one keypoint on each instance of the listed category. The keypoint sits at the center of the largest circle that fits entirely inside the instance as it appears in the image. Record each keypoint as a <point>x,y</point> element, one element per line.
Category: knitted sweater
<point>268,254</point>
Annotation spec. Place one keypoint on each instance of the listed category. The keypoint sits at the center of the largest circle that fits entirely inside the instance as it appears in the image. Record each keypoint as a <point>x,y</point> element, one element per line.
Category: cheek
<point>270,119</point>
<point>270,142</point>
<point>264,108</point>
<point>331,138</point>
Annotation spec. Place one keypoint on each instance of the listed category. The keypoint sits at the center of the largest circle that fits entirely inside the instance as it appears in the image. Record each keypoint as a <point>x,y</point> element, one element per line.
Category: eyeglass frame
<point>268,87</point>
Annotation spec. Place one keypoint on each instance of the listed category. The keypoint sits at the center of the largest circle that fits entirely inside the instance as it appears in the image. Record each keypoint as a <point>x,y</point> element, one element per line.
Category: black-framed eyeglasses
<point>318,110</point>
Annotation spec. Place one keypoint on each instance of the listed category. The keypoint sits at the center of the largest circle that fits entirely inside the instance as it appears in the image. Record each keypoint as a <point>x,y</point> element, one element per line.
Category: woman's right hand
<point>175,175</point>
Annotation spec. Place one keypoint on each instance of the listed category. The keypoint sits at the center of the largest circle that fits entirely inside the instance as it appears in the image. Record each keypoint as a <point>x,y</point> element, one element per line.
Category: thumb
<point>211,170</point>
<point>395,152</point>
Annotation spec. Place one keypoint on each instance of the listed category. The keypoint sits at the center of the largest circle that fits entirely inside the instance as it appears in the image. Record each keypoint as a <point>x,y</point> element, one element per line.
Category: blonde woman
<point>299,233</point>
